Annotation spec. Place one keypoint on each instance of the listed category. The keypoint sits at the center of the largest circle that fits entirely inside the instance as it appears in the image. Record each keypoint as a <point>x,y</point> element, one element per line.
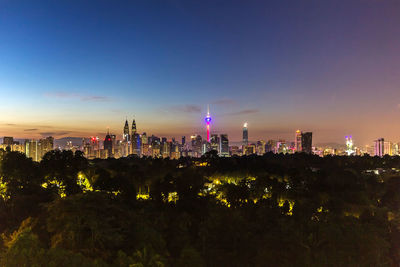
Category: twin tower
<point>133,138</point>
<point>127,137</point>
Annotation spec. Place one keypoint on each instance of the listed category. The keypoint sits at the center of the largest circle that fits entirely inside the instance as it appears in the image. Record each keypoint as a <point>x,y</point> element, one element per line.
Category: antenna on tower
<point>208,109</point>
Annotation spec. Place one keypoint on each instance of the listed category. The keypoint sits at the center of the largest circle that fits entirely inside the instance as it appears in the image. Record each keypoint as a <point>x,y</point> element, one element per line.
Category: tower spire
<point>208,121</point>
<point>133,127</point>
<point>126,131</point>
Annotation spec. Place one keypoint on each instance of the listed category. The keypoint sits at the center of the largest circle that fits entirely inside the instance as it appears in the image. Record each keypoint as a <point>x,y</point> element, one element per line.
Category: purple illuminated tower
<point>208,121</point>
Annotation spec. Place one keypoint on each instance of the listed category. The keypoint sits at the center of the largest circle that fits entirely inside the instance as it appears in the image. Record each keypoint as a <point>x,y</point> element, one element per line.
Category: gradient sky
<point>74,68</point>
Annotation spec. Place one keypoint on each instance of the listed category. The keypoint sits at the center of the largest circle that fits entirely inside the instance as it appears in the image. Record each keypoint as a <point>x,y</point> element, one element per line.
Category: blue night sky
<point>74,68</point>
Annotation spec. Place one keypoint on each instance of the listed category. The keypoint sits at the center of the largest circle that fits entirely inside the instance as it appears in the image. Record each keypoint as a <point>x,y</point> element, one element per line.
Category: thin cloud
<point>86,98</point>
<point>55,133</point>
<point>223,101</point>
<point>96,98</point>
<point>244,112</point>
<point>30,130</point>
<point>186,109</point>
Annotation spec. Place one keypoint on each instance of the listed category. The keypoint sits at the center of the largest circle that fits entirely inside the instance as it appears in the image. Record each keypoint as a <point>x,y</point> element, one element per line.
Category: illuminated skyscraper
<point>144,139</point>
<point>297,141</point>
<point>205,147</point>
<point>46,145</point>
<point>388,148</point>
<point>306,142</point>
<point>349,146</point>
<point>271,146</point>
<point>108,145</point>
<point>196,145</point>
<point>208,121</point>
<point>135,140</point>
<point>31,149</point>
<point>380,147</point>
<point>214,140</point>
<point>166,149</point>
<point>249,149</point>
<point>245,135</point>
<point>126,132</point>
<point>281,147</point>
<point>224,145</point>
<point>260,148</point>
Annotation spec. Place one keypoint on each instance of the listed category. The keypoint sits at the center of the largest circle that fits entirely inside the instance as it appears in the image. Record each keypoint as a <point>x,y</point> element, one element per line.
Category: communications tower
<point>208,121</point>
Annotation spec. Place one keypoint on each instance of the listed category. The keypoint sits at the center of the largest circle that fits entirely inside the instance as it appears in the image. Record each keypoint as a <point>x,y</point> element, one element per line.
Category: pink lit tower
<point>208,121</point>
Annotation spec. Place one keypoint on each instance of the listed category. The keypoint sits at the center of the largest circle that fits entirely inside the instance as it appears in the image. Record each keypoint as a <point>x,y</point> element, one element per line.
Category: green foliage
<point>274,210</point>
<point>25,249</point>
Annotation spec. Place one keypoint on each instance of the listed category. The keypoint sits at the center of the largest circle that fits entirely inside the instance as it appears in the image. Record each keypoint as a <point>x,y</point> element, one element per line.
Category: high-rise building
<point>183,140</point>
<point>31,149</point>
<point>214,142</point>
<point>126,136</point>
<point>8,140</point>
<point>260,147</point>
<point>388,148</point>
<point>297,141</point>
<point>125,146</point>
<point>136,144</point>
<point>114,144</point>
<point>108,145</point>
<point>380,147</point>
<point>46,145</point>
<point>235,151</point>
<point>196,145</point>
<point>395,149</point>
<point>349,146</point>
<point>224,145</point>
<point>245,135</point>
<point>306,142</point>
<point>95,147</point>
<point>281,147</point>
<point>166,149</point>
<point>271,146</point>
<point>135,140</point>
<point>144,139</point>
<point>249,149</point>
<point>205,147</point>
<point>36,149</point>
<point>133,126</point>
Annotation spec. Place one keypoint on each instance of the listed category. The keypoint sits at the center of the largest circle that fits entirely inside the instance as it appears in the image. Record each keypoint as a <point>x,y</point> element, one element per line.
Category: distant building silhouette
<point>297,141</point>
<point>306,142</point>
<point>108,145</point>
<point>380,147</point>
<point>7,140</point>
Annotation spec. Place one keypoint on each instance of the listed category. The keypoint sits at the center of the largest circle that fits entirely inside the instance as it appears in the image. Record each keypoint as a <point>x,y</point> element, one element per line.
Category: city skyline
<point>32,134</point>
<point>131,142</point>
<point>75,69</point>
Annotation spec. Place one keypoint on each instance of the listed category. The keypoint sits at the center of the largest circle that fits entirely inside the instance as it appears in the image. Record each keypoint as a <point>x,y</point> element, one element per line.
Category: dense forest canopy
<point>271,210</point>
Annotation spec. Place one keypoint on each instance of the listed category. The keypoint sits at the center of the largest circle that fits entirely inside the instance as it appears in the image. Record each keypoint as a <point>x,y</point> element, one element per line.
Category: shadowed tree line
<point>271,210</point>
